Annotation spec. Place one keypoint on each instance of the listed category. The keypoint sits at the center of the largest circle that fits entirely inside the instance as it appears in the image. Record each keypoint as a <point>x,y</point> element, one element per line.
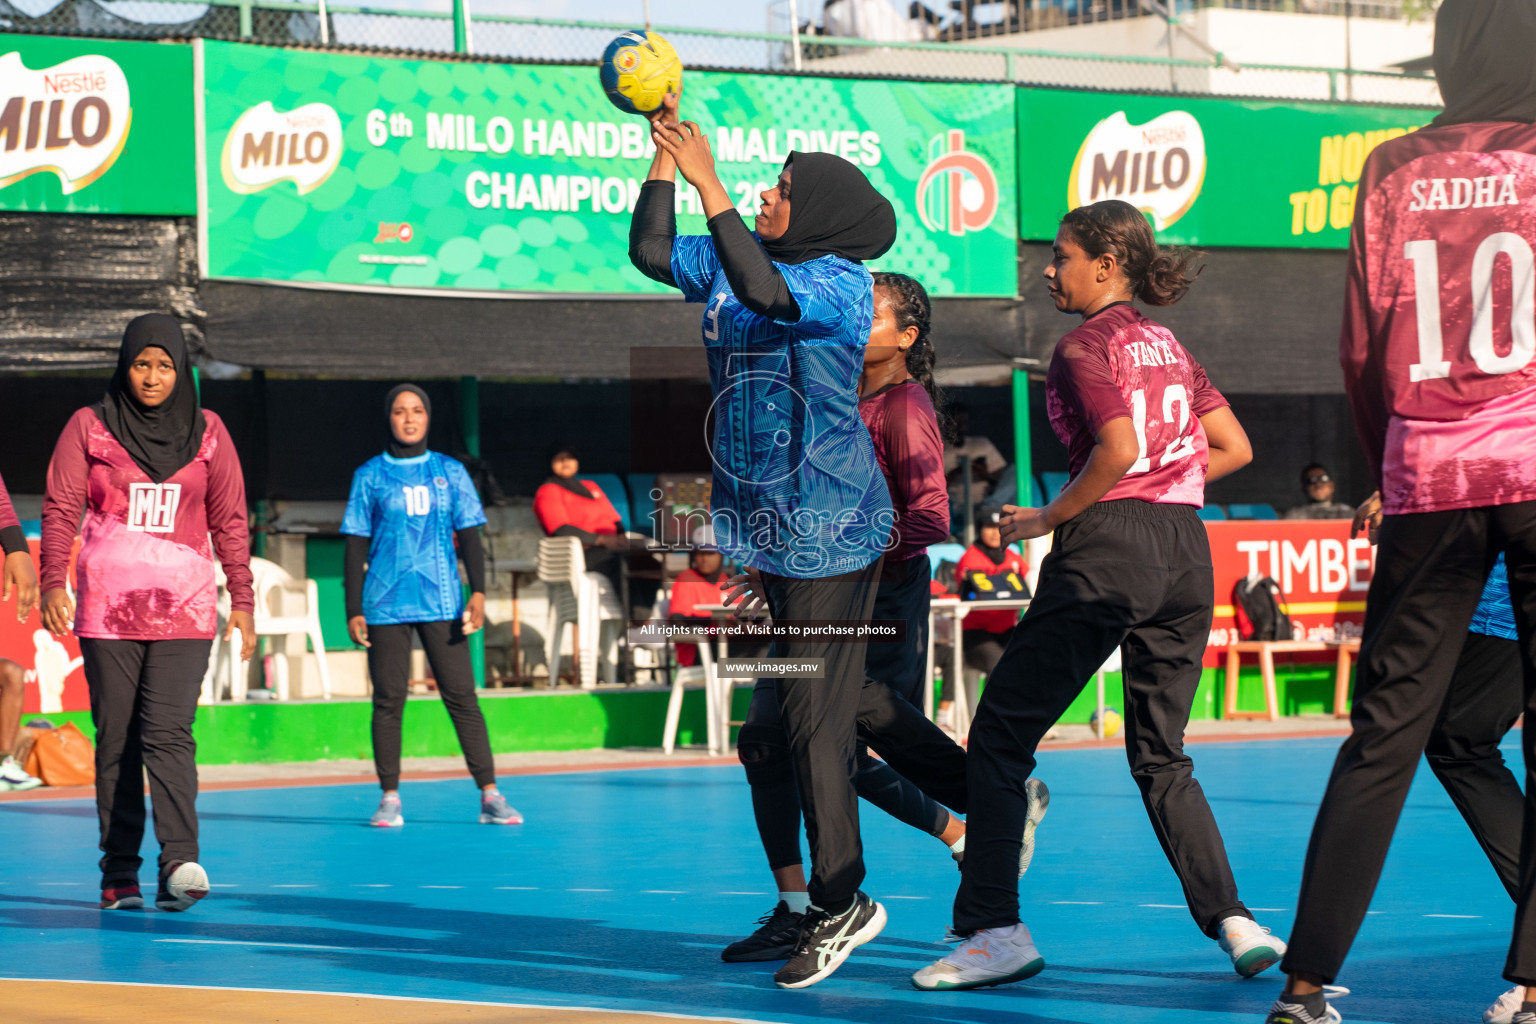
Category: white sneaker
<point>1252,949</point>
<point>1294,1013</point>
<point>14,777</point>
<point>183,886</point>
<point>1038,798</point>
<point>1505,1007</point>
<point>991,956</point>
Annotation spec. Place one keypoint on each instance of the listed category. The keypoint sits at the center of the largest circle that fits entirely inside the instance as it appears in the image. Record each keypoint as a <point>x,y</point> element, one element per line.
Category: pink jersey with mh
<point>1119,363</point>
<point>146,567</point>
<point>1440,317</point>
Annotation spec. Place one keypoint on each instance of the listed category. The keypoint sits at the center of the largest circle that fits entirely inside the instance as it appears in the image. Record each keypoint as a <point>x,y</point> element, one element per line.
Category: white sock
<point>798,902</point>
<point>958,846</point>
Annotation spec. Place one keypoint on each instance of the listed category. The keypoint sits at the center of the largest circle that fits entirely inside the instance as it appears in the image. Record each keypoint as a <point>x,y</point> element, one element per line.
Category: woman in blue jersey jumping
<point>798,496</point>
<point>408,507</point>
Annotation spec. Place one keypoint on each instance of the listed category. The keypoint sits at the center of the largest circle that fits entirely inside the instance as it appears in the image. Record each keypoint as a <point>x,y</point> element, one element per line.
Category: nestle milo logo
<point>1158,167</point>
<point>70,120</point>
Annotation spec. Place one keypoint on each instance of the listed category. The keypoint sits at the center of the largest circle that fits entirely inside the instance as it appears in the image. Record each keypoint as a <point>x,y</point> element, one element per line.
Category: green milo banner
<point>1207,171</point>
<point>91,126</point>
<point>370,173</point>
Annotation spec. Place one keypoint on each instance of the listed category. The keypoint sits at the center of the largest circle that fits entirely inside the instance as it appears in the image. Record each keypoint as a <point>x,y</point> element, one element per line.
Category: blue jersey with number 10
<point>409,510</point>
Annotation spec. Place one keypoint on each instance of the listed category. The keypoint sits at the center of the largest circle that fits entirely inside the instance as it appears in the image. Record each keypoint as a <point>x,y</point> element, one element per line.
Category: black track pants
<point>1430,571</point>
<point>1126,574</point>
<point>389,663</point>
<point>143,700</point>
<point>1486,696</point>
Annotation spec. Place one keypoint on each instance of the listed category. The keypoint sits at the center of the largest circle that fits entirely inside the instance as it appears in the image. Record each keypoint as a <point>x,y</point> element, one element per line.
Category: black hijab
<point>833,210</point>
<point>567,483</point>
<point>398,450</point>
<point>1485,61</point>
<point>166,437</point>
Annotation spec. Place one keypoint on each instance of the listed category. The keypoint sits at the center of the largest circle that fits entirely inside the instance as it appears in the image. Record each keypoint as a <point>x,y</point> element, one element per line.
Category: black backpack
<point>1261,610</point>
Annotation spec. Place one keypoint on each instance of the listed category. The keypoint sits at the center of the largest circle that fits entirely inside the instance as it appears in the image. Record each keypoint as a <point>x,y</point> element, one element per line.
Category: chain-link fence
<point>530,40</point>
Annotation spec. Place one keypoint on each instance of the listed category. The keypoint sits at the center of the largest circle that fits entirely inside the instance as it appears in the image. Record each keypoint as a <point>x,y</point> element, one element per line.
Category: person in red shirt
<point>704,582</point>
<point>1439,357</point>
<point>1130,567</point>
<point>18,577</point>
<point>985,633</point>
<point>157,483</point>
<point>568,506</point>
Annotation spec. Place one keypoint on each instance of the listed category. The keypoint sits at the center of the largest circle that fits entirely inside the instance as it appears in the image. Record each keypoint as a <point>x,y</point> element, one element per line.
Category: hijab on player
<point>834,211</point>
<point>1483,61</point>
<point>163,438</point>
<point>398,448</point>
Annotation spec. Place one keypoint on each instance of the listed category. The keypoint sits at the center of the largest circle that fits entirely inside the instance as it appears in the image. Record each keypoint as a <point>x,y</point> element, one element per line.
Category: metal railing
<point>973,21</point>
<point>450,30</point>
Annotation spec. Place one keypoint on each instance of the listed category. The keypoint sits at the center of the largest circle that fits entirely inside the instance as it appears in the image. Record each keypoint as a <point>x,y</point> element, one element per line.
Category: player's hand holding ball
<point>689,147</point>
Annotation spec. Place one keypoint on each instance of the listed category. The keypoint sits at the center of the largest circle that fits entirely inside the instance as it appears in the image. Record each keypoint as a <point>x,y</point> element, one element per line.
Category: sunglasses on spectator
<point>1313,481</point>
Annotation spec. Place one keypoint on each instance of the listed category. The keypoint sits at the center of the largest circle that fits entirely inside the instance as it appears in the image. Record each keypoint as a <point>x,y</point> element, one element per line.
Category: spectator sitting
<point>987,463</point>
<point>702,583</point>
<point>570,507</point>
<point>1317,484</point>
<point>985,633</point>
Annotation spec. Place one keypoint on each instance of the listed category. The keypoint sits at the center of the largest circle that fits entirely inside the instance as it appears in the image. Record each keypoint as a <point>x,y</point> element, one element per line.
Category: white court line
<point>290,945</point>
<point>667,892</point>
<point>520,888</point>
<point>663,1015</point>
<point>1459,917</point>
<point>589,890</point>
<point>371,885</point>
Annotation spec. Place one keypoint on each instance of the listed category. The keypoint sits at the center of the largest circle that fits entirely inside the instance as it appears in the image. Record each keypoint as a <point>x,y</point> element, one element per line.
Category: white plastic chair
<point>277,593</point>
<point>717,709</point>
<point>586,601</point>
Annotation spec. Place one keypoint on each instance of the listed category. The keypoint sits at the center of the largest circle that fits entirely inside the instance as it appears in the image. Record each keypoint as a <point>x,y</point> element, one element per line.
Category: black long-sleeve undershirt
<point>757,283</point>
<point>471,552</point>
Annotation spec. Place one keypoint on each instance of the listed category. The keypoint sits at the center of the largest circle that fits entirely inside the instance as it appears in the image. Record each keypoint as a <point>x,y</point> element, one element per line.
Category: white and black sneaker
<point>1505,1007</point>
<point>775,938</point>
<point>1286,1012</point>
<point>827,939</point>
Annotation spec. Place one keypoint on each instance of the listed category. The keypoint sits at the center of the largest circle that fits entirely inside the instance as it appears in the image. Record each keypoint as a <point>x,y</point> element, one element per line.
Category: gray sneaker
<point>388,815</point>
<point>494,810</point>
<point>1038,798</point>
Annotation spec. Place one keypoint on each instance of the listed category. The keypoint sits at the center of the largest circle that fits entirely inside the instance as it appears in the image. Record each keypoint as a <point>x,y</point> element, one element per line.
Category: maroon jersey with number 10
<point>1119,363</point>
<point>1440,317</point>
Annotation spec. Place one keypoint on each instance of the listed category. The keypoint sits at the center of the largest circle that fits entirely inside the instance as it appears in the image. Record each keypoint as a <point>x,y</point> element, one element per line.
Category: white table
<point>957,610</point>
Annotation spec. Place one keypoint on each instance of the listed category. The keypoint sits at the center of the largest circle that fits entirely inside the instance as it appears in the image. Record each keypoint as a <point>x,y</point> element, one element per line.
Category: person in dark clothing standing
<point>1130,567</point>
<point>157,479</point>
<point>407,509</point>
<point>1448,424</point>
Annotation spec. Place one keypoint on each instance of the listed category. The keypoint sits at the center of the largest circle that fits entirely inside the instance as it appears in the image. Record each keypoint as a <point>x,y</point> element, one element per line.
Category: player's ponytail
<point>910,305</point>
<point>1157,276</point>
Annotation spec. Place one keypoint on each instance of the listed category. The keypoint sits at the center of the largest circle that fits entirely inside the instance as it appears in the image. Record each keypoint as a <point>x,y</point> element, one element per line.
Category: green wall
<point>258,733</point>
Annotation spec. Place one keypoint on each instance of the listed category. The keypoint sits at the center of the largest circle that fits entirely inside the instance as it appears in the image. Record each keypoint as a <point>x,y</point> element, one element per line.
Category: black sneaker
<point>775,938</point>
<point>826,940</point>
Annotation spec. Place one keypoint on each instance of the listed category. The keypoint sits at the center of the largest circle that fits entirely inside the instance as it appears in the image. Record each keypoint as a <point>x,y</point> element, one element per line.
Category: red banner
<point>55,681</point>
<point>1323,573</point>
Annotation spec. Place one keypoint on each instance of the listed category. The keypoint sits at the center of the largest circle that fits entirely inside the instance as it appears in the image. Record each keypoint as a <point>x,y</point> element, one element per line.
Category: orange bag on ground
<point>62,756</point>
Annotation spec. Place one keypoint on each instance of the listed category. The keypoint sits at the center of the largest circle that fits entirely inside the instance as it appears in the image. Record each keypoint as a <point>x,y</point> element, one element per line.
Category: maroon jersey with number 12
<point>1440,317</point>
<point>1119,363</point>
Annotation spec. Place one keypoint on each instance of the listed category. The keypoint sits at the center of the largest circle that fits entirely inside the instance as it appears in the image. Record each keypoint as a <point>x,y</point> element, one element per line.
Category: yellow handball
<point>1109,727</point>
<point>639,68</point>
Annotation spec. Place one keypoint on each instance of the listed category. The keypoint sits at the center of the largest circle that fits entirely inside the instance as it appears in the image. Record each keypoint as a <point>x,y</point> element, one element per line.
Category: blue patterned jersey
<point>409,509</point>
<point>1495,615</point>
<point>797,490</point>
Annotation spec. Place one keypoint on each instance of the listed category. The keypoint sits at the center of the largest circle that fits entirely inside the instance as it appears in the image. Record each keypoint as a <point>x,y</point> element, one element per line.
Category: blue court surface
<point>623,886</point>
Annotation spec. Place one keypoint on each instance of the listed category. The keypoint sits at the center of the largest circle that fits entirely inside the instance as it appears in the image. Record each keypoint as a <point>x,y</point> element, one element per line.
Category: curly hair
<point>1157,276</point>
<point>910,305</point>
